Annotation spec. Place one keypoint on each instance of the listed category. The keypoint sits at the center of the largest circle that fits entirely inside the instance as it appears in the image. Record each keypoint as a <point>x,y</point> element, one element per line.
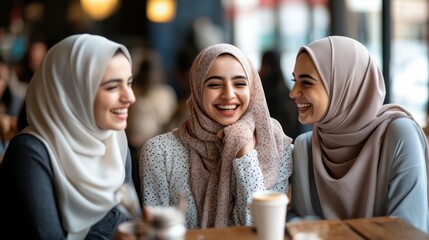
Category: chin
<point>227,123</point>
<point>117,127</point>
<point>303,121</point>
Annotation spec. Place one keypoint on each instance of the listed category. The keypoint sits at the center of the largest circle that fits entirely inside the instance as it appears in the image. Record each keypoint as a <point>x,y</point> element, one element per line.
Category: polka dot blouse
<point>164,177</point>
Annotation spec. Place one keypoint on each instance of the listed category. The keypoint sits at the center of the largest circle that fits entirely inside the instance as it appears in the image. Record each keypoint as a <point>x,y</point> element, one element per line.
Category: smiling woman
<point>115,95</point>
<point>227,149</point>
<point>226,92</point>
<point>363,158</point>
<point>59,176</point>
<point>308,91</point>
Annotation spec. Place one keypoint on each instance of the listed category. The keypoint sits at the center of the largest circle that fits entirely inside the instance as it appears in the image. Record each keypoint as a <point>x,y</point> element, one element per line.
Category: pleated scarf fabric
<point>211,158</point>
<point>347,141</point>
<point>88,163</point>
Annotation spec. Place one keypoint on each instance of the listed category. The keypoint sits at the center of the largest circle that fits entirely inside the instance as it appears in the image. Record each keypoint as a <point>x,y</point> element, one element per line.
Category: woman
<point>227,149</point>
<point>59,176</point>
<point>363,158</point>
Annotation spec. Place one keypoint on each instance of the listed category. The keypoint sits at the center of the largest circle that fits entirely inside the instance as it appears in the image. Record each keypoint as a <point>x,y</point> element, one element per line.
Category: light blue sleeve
<point>247,178</point>
<point>304,193</point>
<point>407,190</point>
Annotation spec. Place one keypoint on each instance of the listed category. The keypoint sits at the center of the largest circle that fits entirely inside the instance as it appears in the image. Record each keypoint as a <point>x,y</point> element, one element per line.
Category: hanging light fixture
<point>99,9</point>
<point>161,10</point>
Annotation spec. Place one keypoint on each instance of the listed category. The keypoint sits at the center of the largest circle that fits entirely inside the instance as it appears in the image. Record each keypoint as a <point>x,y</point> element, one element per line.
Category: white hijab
<point>88,163</point>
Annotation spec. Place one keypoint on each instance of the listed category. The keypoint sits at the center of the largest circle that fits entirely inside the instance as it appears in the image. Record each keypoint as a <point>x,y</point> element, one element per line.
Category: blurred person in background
<point>155,101</point>
<point>363,158</point>
<point>281,107</point>
<point>227,149</point>
<point>35,53</point>
<point>183,63</point>
<point>8,126</point>
<point>155,104</point>
<point>59,175</point>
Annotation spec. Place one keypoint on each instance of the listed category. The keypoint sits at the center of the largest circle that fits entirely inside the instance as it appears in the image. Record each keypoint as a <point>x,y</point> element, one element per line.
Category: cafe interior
<point>169,33</point>
<point>395,31</point>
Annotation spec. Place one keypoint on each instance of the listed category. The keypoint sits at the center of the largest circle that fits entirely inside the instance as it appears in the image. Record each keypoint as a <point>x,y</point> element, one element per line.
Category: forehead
<point>117,67</point>
<point>225,57</point>
<point>304,59</point>
<point>226,62</point>
<point>304,63</point>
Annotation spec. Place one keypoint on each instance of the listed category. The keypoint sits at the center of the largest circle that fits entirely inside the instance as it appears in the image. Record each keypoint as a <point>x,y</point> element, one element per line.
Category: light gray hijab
<point>347,140</point>
<point>88,163</point>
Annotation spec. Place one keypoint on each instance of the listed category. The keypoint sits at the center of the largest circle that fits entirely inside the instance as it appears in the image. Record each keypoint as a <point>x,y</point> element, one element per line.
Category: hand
<point>126,234</point>
<point>247,148</point>
<point>123,236</point>
<point>141,230</point>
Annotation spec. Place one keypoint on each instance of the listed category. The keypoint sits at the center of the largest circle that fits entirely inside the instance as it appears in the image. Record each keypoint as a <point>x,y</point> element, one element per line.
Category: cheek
<point>322,105</point>
<point>98,103</point>
<point>246,98</point>
<point>97,112</point>
<point>207,99</point>
<point>100,106</point>
<point>325,105</point>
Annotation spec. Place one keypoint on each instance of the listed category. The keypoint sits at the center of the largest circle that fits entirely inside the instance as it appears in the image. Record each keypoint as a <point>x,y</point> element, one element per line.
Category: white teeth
<point>304,105</point>
<point>120,111</point>
<point>227,107</point>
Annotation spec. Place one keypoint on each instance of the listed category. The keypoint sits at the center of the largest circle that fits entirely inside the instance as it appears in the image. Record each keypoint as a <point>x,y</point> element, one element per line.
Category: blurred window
<point>409,58</point>
<point>286,25</point>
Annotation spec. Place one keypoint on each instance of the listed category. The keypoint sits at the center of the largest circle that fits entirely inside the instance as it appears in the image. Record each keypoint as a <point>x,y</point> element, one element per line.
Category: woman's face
<point>308,91</point>
<point>114,95</point>
<point>226,92</point>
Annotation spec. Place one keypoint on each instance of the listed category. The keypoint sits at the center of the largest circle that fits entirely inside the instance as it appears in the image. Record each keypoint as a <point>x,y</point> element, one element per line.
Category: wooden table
<point>389,228</point>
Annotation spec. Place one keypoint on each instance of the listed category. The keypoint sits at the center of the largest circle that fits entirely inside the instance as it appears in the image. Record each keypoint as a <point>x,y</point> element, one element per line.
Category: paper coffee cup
<point>268,211</point>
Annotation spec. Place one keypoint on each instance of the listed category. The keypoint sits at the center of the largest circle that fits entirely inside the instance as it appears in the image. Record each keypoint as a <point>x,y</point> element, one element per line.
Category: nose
<point>228,91</point>
<point>295,92</point>
<point>127,96</point>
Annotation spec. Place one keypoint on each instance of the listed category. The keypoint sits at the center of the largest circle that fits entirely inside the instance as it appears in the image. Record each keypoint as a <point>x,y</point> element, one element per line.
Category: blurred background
<point>165,35</point>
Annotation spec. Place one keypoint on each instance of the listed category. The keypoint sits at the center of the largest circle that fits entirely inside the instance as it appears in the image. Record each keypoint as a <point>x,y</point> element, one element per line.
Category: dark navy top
<point>28,203</point>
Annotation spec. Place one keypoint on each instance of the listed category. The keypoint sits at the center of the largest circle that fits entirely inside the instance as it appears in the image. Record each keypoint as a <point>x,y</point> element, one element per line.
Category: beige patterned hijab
<point>347,140</point>
<point>211,158</point>
<point>88,163</point>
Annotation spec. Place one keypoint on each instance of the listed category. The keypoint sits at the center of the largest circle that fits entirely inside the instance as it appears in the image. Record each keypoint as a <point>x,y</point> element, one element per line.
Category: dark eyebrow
<point>114,80</point>
<point>213,77</point>
<point>305,76</point>
<point>221,78</point>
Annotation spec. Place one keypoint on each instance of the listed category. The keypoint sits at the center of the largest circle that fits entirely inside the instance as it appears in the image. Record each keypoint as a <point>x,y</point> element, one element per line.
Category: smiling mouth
<point>227,107</point>
<point>304,106</point>
<point>120,111</point>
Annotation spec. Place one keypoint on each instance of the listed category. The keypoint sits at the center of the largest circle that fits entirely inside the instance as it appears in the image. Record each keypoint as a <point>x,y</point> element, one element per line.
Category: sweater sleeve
<point>27,192</point>
<point>407,191</point>
<point>28,200</point>
<point>304,193</point>
<point>248,178</point>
